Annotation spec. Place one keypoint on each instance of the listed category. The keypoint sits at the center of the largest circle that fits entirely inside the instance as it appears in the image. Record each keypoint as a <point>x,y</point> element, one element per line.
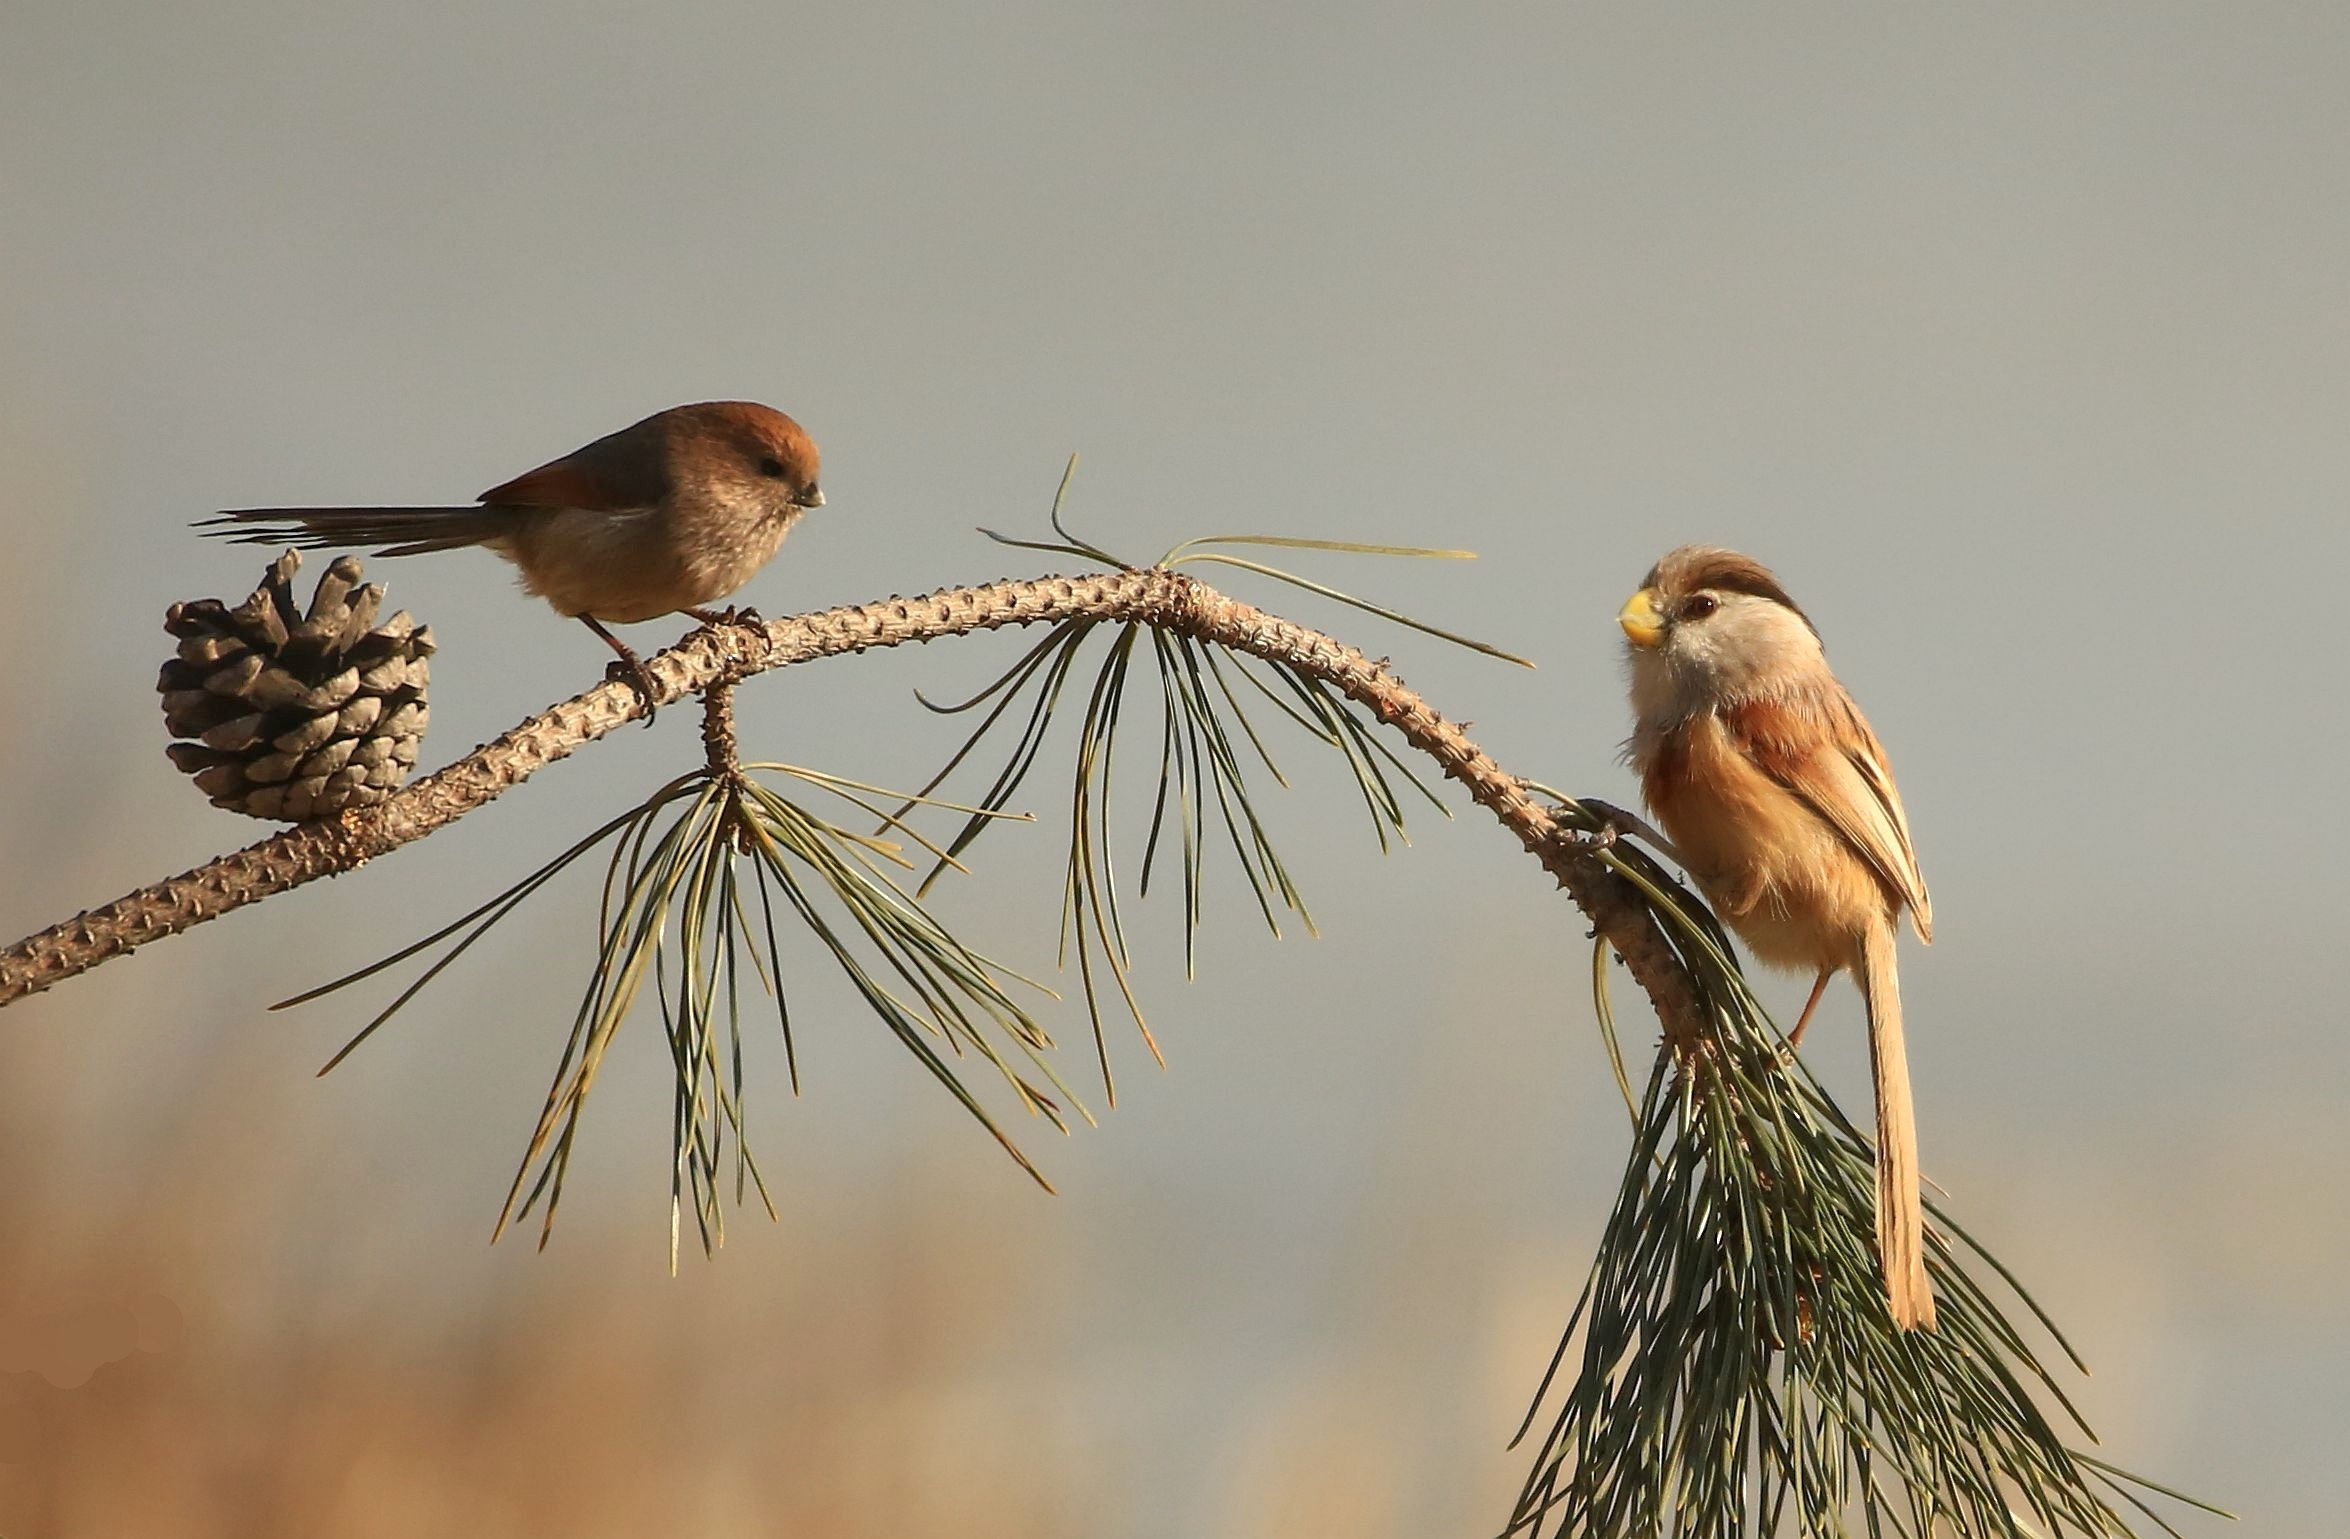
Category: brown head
<point>1710,625</point>
<point>749,440</point>
<point>734,452</point>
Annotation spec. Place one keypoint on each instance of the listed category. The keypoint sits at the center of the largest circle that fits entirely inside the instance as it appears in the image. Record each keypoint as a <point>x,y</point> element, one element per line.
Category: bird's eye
<point>771,466</point>
<point>1699,607</point>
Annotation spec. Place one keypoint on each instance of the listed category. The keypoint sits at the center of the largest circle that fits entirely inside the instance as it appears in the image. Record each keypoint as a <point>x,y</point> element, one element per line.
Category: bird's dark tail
<point>399,531</point>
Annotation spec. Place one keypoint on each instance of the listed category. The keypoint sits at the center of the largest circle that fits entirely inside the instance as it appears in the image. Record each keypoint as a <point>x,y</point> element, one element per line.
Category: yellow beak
<point>1642,619</point>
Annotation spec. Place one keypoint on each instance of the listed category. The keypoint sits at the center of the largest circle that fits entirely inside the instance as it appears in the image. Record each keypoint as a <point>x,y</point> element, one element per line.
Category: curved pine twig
<point>1165,600</point>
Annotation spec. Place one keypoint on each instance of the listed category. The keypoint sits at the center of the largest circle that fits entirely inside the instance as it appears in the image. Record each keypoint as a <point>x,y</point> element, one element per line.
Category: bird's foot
<point>1604,837</point>
<point>1615,823</point>
<point>730,615</point>
<point>630,669</point>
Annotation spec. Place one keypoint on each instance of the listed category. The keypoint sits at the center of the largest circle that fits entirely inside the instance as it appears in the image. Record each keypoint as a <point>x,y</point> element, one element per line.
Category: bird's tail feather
<point>1901,1217</point>
<point>400,531</point>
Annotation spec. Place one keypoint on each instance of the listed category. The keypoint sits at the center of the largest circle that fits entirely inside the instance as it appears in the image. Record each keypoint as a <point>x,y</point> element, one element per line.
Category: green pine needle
<point>1732,1367</point>
<point>1207,793</point>
<point>676,914</point>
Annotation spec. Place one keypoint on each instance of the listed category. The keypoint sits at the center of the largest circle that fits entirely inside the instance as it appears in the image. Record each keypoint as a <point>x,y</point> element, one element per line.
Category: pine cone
<point>296,716</point>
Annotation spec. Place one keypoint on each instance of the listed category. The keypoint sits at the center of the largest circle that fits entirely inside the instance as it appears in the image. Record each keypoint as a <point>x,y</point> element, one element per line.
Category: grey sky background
<point>2015,337</point>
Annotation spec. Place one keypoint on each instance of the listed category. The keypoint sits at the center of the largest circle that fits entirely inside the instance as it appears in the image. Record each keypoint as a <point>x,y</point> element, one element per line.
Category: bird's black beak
<point>811,498</point>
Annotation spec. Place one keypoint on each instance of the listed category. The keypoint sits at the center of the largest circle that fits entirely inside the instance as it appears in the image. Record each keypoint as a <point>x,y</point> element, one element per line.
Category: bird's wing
<point>618,473</point>
<point>1848,785</point>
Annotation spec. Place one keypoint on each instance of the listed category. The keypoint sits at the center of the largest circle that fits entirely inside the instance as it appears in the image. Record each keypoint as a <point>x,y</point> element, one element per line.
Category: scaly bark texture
<point>720,655</point>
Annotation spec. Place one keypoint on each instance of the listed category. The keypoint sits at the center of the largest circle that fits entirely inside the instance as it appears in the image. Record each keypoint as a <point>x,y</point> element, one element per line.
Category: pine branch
<point>1165,600</point>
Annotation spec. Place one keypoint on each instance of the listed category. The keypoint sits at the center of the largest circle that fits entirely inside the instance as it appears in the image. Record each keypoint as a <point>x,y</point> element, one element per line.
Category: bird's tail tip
<point>1901,1210</point>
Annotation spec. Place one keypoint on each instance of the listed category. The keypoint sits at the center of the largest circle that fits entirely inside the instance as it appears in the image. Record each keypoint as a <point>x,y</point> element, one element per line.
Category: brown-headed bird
<point>1780,803</point>
<point>663,517</point>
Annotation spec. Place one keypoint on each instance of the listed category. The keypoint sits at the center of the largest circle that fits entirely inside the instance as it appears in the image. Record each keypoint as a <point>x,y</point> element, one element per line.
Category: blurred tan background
<point>2015,336</point>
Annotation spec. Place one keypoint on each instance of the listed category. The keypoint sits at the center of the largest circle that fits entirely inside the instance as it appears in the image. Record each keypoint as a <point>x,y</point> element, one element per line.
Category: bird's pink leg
<point>1819,987</point>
